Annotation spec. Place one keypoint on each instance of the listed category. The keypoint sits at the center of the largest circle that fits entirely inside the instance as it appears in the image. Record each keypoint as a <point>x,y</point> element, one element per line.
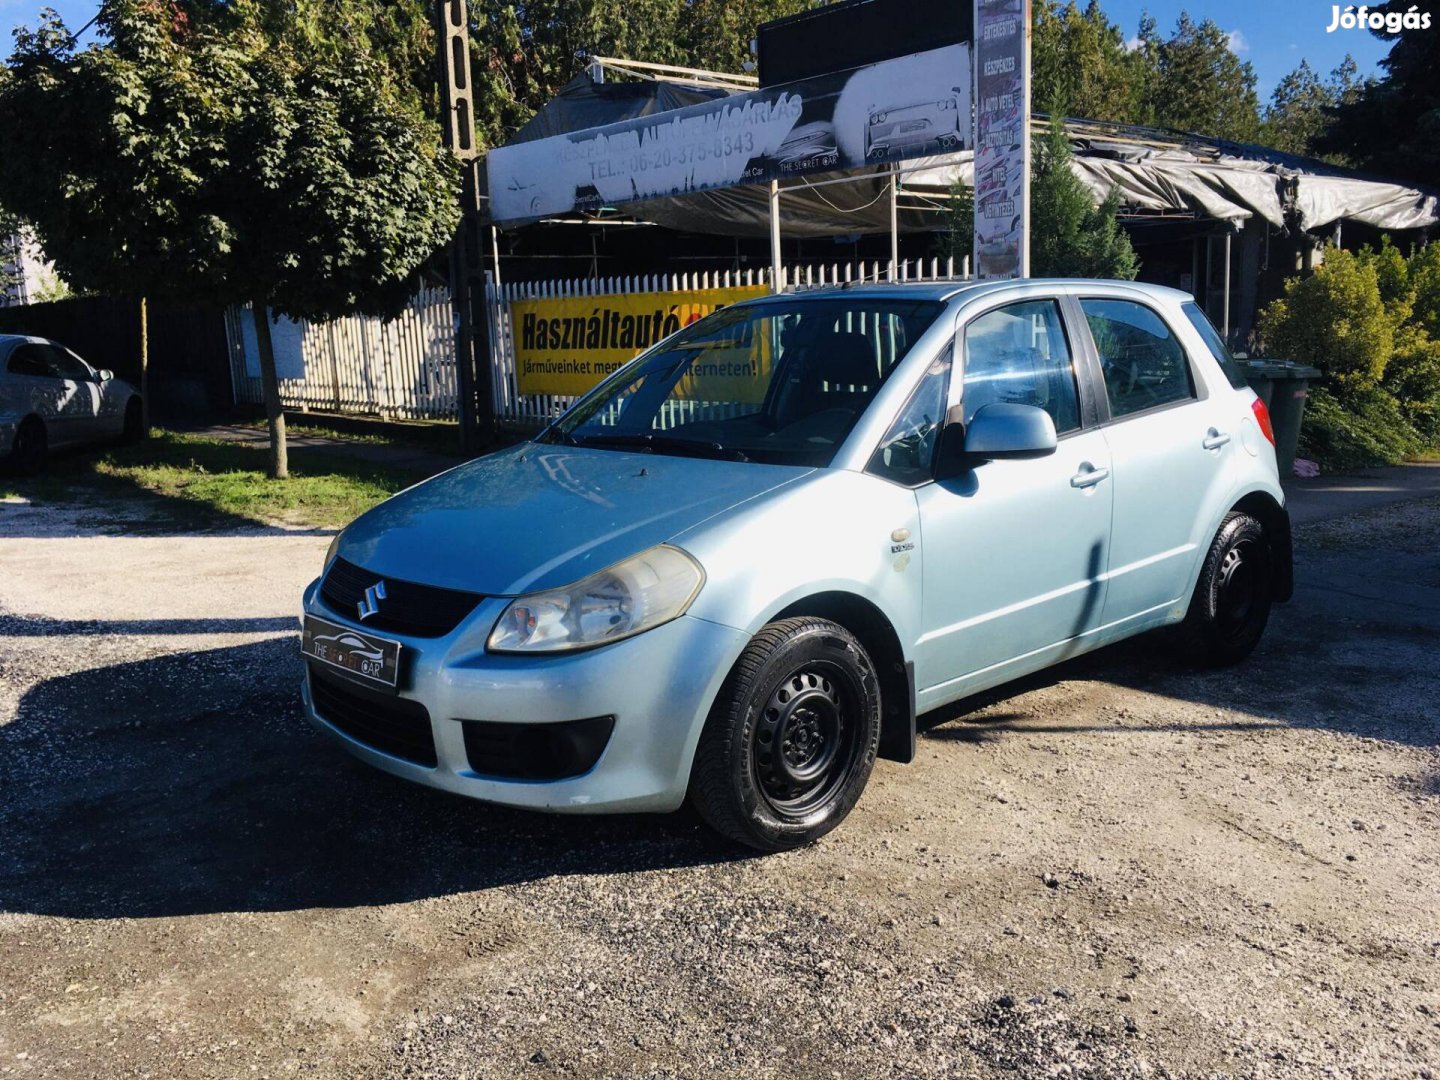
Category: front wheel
<point>1232,599</point>
<point>792,737</point>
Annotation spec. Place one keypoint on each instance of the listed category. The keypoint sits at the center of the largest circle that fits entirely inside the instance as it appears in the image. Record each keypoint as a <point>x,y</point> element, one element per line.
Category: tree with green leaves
<point>1198,83</point>
<point>1081,62</point>
<point>9,251</point>
<point>1392,125</point>
<point>524,53</point>
<point>226,161</point>
<point>1302,106</point>
<point>957,240</point>
<point>1070,236</point>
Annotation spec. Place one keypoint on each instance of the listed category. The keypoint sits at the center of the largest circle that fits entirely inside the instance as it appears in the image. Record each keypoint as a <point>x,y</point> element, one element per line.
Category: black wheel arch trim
<point>1276,520</point>
<point>895,672</point>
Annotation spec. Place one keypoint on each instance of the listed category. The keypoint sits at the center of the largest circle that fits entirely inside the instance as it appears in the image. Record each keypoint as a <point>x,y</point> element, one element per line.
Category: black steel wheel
<point>1231,605</point>
<point>792,737</point>
<point>31,448</point>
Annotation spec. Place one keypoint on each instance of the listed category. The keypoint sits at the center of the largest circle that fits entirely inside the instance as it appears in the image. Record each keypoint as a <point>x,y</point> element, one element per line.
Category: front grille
<point>391,725</point>
<point>536,751</point>
<point>408,608</point>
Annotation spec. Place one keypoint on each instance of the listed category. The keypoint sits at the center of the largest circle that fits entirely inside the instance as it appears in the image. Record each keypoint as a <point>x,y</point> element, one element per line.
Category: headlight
<point>629,598</point>
<point>330,551</point>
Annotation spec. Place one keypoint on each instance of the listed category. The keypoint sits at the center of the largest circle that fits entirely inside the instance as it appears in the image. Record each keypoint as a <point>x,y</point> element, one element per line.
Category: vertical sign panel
<point>1002,138</point>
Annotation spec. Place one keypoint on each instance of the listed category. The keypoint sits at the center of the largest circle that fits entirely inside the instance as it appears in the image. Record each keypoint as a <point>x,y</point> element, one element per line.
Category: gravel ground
<point>1119,868</point>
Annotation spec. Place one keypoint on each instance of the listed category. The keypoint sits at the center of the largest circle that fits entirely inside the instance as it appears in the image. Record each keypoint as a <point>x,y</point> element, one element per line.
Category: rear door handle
<point>1088,476</point>
<point>1215,440</point>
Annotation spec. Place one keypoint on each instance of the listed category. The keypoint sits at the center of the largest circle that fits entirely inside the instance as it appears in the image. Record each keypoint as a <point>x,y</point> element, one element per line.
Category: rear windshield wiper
<point>662,443</point>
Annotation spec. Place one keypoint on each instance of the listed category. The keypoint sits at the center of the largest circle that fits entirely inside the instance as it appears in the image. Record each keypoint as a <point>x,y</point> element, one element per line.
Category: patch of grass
<point>212,483</point>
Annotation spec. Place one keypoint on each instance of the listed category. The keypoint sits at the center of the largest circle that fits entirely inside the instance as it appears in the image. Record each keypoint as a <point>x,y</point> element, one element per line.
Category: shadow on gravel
<point>1325,663</point>
<point>24,626</point>
<point>119,800</point>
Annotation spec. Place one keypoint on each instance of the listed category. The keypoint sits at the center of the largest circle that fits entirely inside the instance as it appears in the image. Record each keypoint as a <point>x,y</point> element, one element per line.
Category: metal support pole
<point>1225,300</point>
<point>777,272</point>
<point>894,227</point>
<point>1209,273</point>
<point>467,260</point>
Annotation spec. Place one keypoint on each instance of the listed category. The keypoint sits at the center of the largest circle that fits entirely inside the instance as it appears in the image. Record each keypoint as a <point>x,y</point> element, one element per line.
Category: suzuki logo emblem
<point>370,605</point>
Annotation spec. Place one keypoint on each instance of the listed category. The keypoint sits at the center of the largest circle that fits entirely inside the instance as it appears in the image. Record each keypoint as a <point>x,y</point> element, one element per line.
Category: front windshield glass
<point>782,383</point>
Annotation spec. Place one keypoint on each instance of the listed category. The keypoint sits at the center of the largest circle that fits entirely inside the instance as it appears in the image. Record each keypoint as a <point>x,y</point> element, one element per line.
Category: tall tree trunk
<point>144,366</point>
<point>279,463</point>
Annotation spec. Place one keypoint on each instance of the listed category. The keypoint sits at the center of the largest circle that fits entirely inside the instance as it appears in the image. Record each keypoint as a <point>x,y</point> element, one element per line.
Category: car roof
<point>951,290</point>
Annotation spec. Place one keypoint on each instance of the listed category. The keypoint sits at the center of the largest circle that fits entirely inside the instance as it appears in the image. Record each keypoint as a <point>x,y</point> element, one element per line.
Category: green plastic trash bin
<point>1283,385</point>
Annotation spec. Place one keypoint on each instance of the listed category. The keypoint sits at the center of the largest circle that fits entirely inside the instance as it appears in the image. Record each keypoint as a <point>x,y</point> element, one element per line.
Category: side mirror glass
<point>106,374</point>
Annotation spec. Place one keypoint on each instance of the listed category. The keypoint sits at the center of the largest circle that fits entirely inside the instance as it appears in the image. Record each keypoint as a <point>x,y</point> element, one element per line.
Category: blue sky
<point>1272,34</point>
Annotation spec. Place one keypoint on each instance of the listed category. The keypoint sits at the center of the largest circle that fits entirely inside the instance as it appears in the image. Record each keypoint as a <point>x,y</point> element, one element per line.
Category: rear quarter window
<point>1216,344</point>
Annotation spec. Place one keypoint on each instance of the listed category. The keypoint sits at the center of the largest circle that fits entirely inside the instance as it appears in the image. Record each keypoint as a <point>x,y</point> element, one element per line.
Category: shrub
<point>1392,274</point>
<point>1413,378</point>
<point>1424,272</point>
<point>1334,319</point>
<point>1367,429</point>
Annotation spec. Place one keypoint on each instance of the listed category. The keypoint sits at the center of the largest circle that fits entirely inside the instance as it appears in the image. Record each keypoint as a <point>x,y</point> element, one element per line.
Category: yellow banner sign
<point>564,346</point>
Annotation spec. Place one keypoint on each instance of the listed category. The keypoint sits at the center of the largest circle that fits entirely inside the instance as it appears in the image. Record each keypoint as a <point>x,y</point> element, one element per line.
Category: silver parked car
<point>740,568</point>
<point>51,398</point>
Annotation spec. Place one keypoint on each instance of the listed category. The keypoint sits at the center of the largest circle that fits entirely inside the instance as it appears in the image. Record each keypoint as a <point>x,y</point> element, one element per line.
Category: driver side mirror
<point>105,375</point>
<point>996,432</point>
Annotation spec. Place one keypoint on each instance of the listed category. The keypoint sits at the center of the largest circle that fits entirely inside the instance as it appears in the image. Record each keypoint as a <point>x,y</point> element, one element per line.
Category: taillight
<point>1262,417</point>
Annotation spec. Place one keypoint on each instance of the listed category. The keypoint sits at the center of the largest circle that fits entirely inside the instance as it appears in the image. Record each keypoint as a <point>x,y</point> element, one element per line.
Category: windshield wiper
<point>652,442</point>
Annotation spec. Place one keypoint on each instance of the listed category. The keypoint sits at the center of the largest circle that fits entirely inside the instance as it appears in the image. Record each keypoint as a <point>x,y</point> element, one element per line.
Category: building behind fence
<point>405,369</point>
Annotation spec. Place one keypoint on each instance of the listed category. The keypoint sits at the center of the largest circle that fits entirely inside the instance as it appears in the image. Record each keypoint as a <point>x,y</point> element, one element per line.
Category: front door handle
<point>1088,476</point>
<point>1214,440</point>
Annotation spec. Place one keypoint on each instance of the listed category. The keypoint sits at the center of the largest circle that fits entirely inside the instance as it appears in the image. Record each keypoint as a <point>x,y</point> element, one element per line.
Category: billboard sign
<point>1002,138</point>
<point>566,345</point>
<point>911,106</point>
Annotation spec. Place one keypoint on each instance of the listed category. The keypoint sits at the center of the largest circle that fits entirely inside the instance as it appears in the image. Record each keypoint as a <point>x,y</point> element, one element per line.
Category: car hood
<point>538,516</point>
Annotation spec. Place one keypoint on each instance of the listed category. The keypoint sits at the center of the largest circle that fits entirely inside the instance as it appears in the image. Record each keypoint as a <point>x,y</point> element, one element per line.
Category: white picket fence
<point>402,369</point>
<point>405,369</point>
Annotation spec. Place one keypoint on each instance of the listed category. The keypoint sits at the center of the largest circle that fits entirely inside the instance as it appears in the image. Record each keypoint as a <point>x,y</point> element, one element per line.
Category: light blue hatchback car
<point>740,567</point>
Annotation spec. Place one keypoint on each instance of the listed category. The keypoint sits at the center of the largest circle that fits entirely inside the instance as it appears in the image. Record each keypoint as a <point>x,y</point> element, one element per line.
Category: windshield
<point>782,383</point>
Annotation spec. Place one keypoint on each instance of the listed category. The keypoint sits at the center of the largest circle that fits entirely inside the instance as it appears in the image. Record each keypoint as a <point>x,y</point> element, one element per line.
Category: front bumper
<point>657,685</point>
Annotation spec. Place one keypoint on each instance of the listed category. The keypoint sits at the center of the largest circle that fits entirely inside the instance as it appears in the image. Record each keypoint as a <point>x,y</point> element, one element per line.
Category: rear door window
<point>1216,344</point>
<point>1145,365</point>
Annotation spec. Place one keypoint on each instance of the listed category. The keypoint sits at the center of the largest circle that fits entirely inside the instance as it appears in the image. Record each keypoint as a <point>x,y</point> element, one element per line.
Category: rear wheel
<point>792,737</point>
<point>31,447</point>
<point>1232,599</point>
<point>134,429</point>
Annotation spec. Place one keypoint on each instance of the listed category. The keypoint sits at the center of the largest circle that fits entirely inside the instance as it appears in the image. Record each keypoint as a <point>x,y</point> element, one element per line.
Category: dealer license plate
<point>374,659</point>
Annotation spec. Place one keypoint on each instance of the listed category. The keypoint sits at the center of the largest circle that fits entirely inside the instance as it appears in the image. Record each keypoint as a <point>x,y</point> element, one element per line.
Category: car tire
<point>792,737</point>
<point>1233,597</point>
<point>134,429</point>
<point>31,448</point>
